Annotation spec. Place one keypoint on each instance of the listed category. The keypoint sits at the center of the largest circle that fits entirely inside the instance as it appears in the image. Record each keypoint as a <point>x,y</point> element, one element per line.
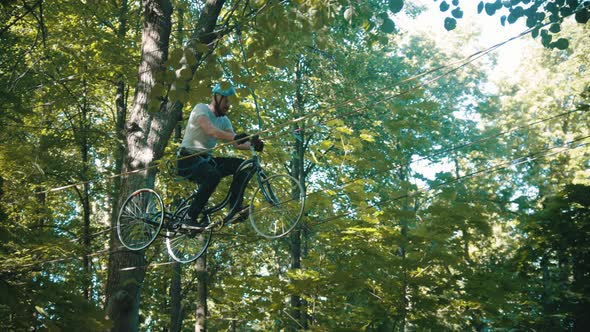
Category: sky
<point>492,32</point>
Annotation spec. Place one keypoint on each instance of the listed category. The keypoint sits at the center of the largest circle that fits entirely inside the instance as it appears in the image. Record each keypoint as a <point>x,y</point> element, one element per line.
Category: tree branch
<point>28,10</point>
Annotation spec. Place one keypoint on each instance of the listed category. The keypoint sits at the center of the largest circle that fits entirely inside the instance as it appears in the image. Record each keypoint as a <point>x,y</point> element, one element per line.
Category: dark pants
<point>208,174</point>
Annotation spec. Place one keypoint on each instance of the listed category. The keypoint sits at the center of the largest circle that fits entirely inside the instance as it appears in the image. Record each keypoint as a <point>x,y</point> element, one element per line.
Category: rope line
<point>462,63</point>
<point>514,162</point>
<point>488,170</point>
<point>399,165</point>
<point>444,151</point>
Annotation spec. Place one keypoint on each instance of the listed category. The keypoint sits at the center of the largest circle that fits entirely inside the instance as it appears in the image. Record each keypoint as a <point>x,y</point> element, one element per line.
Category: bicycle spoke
<point>140,219</point>
<point>185,246</point>
<point>277,206</point>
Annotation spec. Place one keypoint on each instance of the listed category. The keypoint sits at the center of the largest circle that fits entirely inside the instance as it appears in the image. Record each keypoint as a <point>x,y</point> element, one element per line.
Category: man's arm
<point>226,135</point>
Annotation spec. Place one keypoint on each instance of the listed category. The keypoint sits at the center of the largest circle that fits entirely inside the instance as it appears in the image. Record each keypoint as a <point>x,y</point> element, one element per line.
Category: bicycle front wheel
<point>185,246</point>
<point>277,206</point>
<point>140,219</point>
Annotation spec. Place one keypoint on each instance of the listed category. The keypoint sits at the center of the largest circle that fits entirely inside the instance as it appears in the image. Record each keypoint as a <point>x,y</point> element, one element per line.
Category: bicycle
<point>275,209</point>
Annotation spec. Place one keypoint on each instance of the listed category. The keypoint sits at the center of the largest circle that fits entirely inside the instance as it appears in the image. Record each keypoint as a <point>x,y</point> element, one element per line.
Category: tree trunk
<point>85,196</point>
<point>405,287</point>
<point>547,296</point>
<point>121,106</point>
<point>298,310</point>
<point>146,135</point>
<point>176,298</point>
<point>176,279</point>
<point>295,265</point>
<point>202,282</point>
<point>580,285</point>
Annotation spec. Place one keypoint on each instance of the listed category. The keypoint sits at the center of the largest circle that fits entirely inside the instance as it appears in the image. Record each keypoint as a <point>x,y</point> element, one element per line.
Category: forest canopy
<point>437,198</point>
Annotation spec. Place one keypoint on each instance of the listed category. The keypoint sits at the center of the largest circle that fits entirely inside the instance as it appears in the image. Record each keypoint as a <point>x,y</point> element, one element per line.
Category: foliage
<point>552,258</point>
<point>543,17</point>
<point>475,247</point>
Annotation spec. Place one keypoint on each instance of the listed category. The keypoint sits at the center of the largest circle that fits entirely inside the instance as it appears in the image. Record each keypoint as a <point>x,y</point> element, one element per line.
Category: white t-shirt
<point>195,139</point>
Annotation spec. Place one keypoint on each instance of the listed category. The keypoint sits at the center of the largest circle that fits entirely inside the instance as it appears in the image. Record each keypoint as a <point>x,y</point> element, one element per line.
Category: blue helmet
<point>224,92</point>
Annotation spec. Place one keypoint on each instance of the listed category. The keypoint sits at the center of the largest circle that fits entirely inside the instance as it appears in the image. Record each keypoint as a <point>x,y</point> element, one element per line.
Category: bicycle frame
<point>143,214</point>
<point>255,168</point>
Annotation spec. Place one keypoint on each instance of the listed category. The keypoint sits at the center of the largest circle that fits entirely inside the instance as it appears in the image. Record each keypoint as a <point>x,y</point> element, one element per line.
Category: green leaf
<point>582,16</point>
<point>190,57</point>
<point>202,48</point>
<point>367,137</point>
<point>490,9</point>
<point>444,6</point>
<point>153,106</point>
<point>503,20</point>
<point>565,12</point>
<point>511,18</point>
<point>396,5</point>
<point>175,56</point>
<point>561,44</point>
<point>555,28</point>
<point>457,13</point>
<point>480,7</point>
<point>326,144</point>
<point>531,21</point>
<point>545,38</point>
<point>388,26</point>
<point>450,23</point>
<point>185,74</point>
<point>157,90</point>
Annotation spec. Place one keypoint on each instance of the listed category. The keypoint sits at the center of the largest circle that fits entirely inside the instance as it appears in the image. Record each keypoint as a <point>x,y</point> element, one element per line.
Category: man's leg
<point>228,166</point>
<point>208,178</point>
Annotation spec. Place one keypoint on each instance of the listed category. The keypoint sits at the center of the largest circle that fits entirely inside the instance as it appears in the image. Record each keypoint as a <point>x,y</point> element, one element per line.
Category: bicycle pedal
<point>237,218</point>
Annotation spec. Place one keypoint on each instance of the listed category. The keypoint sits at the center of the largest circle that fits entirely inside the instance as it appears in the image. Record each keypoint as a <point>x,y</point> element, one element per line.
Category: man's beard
<point>217,107</point>
<point>218,112</point>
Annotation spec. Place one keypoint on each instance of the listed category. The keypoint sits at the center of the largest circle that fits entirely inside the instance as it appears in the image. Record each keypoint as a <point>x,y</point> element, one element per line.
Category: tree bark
<point>580,283</point>
<point>85,197</point>
<point>176,298</point>
<point>146,135</point>
<point>176,278</point>
<point>202,282</point>
<point>121,107</point>
<point>298,310</point>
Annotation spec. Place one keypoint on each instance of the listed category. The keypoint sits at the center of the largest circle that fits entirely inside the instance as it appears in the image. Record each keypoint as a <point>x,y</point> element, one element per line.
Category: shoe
<point>239,215</point>
<point>193,224</point>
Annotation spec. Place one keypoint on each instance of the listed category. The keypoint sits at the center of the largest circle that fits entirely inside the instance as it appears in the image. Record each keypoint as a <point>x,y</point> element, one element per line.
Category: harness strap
<point>201,159</point>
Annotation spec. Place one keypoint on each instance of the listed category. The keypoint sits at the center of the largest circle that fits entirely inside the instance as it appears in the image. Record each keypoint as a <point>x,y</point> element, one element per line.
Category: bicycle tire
<point>277,206</point>
<point>140,219</point>
<point>185,246</point>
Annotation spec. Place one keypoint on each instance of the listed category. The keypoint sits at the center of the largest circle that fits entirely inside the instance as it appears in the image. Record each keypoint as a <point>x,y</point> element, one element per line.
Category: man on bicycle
<point>206,125</point>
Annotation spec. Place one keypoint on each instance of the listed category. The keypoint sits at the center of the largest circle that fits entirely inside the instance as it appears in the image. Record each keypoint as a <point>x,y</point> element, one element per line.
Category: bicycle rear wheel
<point>277,206</point>
<point>140,219</point>
<point>185,246</point>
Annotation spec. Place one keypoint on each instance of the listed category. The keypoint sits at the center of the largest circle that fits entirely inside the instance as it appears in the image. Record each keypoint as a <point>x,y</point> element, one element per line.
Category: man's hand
<point>241,138</point>
<point>257,143</point>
